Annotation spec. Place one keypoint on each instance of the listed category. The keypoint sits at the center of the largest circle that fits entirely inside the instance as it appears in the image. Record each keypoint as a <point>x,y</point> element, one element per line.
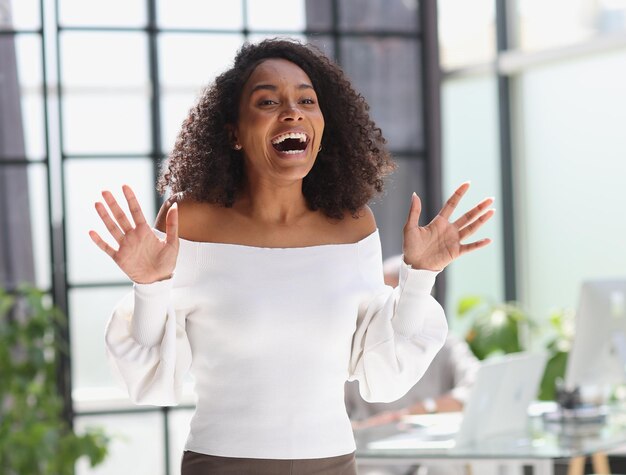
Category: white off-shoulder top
<point>270,336</point>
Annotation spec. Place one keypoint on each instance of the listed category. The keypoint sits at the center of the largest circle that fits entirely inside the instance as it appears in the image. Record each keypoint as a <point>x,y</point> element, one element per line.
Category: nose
<point>291,112</point>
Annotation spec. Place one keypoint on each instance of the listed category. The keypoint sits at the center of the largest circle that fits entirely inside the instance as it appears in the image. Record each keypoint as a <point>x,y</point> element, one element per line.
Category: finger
<point>472,246</point>
<point>171,224</point>
<point>133,205</point>
<point>95,237</point>
<point>474,226</point>
<point>113,228</point>
<point>473,213</point>
<point>415,211</point>
<point>453,201</point>
<point>118,212</point>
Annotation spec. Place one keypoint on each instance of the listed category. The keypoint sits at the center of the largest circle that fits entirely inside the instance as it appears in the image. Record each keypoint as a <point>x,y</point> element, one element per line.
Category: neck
<point>272,203</point>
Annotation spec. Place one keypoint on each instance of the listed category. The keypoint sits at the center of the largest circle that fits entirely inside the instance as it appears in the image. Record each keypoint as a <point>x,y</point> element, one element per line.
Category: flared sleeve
<point>147,344</point>
<point>399,331</point>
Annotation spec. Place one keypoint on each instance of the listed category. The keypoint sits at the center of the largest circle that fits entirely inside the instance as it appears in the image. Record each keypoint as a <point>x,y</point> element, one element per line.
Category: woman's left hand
<point>435,245</point>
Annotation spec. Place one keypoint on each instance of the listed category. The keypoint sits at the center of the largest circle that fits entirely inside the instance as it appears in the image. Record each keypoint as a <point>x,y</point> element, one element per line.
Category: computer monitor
<point>597,358</point>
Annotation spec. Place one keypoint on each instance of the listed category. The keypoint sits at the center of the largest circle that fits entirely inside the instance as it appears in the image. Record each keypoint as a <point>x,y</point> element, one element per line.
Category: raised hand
<point>141,254</point>
<point>438,243</point>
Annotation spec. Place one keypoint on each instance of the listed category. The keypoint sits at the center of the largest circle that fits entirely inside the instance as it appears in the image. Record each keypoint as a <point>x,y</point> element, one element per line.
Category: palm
<point>144,257</point>
<point>141,254</point>
<point>438,243</point>
<point>434,243</point>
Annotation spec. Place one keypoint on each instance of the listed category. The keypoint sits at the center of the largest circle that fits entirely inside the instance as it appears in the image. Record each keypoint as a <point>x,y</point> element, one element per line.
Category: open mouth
<point>291,143</point>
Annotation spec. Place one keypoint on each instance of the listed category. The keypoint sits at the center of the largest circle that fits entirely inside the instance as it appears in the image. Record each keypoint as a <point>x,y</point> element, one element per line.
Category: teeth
<point>292,135</point>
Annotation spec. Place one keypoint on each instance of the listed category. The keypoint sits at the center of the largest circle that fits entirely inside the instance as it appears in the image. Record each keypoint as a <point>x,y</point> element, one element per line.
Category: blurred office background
<point>525,98</point>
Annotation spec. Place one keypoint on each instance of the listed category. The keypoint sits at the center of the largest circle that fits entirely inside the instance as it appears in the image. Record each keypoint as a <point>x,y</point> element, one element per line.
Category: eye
<point>267,102</point>
<point>308,101</point>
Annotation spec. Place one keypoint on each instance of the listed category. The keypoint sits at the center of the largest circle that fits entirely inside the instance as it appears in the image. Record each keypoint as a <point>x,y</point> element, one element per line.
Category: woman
<point>264,276</point>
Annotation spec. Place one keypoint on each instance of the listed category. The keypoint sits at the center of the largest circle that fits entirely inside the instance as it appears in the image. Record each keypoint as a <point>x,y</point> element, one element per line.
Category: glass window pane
<point>106,123</point>
<point>29,60</point>
<point>30,79</point>
<point>391,209</point>
<point>179,420</point>
<point>286,15</point>
<point>387,15</point>
<point>319,14</point>
<point>91,119</point>
<point>192,61</point>
<point>94,385</point>
<point>571,177</point>
<point>174,110</point>
<point>20,14</point>
<point>102,12</point>
<point>467,32</point>
<point>40,223</point>
<point>84,180</point>
<point>471,152</point>
<point>325,43</point>
<point>557,23</point>
<point>105,60</point>
<point>137,446</point>
<point>12,138</point>
<point>387,73</point>
<point>214,14</point>
<point>24,217</point>
<point>33,122</point>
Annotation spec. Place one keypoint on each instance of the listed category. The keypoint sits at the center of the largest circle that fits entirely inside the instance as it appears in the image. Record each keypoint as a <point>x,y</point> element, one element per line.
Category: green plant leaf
<point>34,437</point>
<point>466,304</point>
<point>555,369</point>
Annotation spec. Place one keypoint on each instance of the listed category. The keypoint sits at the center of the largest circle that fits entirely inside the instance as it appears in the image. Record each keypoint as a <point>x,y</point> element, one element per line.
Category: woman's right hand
<point>141,254</point>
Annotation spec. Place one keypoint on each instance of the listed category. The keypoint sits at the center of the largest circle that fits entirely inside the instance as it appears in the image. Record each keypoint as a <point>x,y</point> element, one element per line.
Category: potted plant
<point>504,327</point>
<point>561,334</point>
<point>495,327</point>
<point>35,439</point>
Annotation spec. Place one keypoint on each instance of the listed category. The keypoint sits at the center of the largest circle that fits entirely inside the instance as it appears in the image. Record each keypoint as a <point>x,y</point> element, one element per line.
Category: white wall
<point>571,175</point>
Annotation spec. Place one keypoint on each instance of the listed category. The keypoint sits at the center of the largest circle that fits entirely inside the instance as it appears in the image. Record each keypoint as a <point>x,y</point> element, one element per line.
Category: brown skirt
<point>200,464</point>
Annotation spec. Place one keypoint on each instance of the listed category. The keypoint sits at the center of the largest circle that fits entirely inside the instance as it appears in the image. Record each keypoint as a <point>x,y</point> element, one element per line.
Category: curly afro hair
<point>348,171</point>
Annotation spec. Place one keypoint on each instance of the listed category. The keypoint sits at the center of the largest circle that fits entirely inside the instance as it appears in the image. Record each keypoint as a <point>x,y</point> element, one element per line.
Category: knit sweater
<point>270,336</point>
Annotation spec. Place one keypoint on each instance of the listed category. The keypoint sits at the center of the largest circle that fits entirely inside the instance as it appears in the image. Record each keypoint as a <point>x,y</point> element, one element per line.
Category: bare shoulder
<point>189,211</point>
<point>358,226</point>
<point>159,222</point>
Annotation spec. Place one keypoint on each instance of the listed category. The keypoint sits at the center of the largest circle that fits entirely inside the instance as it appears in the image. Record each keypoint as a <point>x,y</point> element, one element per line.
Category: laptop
<point>497,405</point>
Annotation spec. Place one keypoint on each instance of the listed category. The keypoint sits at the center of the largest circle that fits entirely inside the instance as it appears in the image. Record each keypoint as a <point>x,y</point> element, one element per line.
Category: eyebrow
<point>271,87</point>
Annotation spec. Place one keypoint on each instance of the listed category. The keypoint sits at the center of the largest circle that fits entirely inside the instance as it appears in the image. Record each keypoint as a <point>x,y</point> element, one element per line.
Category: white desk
<point>538,447</point>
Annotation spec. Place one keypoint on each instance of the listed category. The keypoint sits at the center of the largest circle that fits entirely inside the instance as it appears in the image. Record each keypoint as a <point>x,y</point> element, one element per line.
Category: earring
<point>319,149</point>
<point>237,146</point>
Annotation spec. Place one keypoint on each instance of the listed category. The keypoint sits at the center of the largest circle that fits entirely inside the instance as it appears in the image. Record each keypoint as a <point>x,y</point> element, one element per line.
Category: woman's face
<point>280,123</point>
